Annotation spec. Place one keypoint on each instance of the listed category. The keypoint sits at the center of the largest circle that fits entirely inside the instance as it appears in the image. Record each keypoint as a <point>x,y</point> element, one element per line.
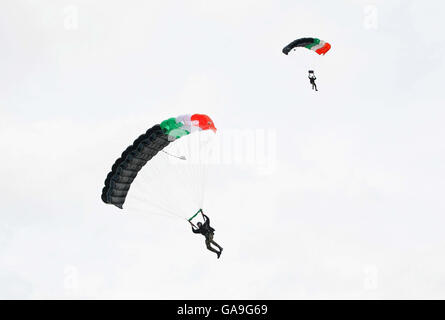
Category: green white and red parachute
<point>319,46</point>
<point>162,171</point>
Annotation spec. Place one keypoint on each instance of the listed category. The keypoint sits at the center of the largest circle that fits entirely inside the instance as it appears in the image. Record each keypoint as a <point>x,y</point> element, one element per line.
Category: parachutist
<point>312,79</point>
<point>207,231</point>
<point>314,44</point>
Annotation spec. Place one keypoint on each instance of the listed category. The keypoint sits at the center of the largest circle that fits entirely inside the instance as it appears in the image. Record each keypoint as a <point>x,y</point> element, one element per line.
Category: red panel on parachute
<point>205,123</point>
<point>324,49</point>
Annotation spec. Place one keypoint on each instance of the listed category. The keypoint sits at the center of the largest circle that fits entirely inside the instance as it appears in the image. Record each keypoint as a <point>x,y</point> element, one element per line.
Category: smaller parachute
<point>314,44</point>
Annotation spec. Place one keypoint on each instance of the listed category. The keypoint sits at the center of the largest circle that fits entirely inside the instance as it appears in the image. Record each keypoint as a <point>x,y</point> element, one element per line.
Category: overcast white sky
<point>353,206</point>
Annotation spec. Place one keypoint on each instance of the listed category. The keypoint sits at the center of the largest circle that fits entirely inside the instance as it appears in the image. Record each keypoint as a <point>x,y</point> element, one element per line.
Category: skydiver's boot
<point>219,247</point>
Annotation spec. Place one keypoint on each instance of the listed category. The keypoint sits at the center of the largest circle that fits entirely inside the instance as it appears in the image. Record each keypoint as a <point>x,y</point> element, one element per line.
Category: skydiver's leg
<point>216,245</point>
<point>209,247</point>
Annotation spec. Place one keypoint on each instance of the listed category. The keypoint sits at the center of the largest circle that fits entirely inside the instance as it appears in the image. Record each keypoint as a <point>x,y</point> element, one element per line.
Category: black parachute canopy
<point>126,168</point>
<point>302,42</point>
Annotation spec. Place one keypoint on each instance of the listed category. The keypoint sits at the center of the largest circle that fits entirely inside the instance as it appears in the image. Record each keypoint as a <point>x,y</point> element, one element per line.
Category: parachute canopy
<point>314,44</point>
<point>135,157</point>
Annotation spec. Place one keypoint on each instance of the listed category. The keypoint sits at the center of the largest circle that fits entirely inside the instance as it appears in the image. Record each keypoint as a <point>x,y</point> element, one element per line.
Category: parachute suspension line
<point>172,155</point>
<point>200,166</point>
<point>166,195</point>
<point>185,172</point>
<point>164,213</point>
<point>165,210</point>
<point>142,199</point>
<point>188,171</point>
<point>203,177</point>
<point>198,169</point>
<point>151,194</point>
<point>194,169</point>
<point>161,187</point>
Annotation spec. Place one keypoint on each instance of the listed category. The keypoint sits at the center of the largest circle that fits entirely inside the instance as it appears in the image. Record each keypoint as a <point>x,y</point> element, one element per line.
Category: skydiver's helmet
<point>199,224</point>
<point>311,72</point>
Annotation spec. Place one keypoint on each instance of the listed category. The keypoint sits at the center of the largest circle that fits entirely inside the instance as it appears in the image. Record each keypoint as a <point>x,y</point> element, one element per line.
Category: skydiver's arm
<point>193,226</point>
<point>207,221</point>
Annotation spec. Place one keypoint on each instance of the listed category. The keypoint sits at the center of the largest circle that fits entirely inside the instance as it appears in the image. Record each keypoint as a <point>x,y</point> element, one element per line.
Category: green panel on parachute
<point>316,42</point>
<point>173,128</point>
